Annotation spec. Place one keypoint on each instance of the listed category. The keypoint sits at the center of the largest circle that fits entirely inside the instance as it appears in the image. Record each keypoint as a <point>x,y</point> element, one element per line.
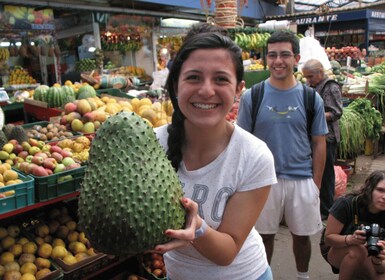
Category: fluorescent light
<point>177,22</point>
<point>5,44</point>
<point>91,49</point>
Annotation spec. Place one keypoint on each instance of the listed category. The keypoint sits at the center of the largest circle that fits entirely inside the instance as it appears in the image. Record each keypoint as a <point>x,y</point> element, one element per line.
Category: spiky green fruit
<point>130,193</point>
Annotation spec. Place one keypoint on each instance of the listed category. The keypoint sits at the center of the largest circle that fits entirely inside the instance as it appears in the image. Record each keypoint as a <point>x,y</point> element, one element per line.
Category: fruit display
<point>251,41</point>
<point>23,258</point>
<point>129,71</point>
<point>86,65</point>
<point>55,96</point>
<point>8,177</point>
<point>342,53</point>
<point>154,264</point>
<point>51,132</point>
<point>79,147</point>
<point>20,76</point>
<point>37,158</point>
<point>130,193</point>
<point>58,236</point>
<point>4,54</point>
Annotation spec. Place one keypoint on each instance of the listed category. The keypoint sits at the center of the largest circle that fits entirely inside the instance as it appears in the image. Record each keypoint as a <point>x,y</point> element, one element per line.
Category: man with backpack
<point>290,119</point>
<point>330,92</point>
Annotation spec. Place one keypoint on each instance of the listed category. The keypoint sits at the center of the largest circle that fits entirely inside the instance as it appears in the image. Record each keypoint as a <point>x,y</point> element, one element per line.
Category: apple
<point>26,146</point>
<point>33,142</point>
<point>60,167</point>
<point>29,158</point>
<point>73,166</point>
<point>41,154</point>
<point>33,150</point>
<point>14,142</point>
<point>66,153</point>
<point>56,149</point>
<point>69,107</point>
<point>37,160</point>
<point>17,148</point>
<point>68,160</point>
<point>8,147</point>
<point>77,125</point>
<point>50,163</point>
<point>39,171</point>
<point>57,156</point>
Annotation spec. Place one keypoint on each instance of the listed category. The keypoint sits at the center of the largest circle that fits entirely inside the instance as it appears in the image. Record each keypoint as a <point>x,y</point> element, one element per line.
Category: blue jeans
<point>267,275</point>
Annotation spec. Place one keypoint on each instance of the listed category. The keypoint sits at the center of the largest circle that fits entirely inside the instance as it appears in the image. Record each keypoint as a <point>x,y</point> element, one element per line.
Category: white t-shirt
<point>245,164</point>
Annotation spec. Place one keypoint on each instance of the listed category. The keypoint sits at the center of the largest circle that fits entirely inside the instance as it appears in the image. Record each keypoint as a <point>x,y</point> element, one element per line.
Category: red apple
<point>56,149</point>
<point>17,148</point>
<point>70,107</point>
<point>66,153</point>
<point>50,163</point>
<point>57,156</point>
<point>39,171</point>
<point>37,160</point>
<point>23,154</point>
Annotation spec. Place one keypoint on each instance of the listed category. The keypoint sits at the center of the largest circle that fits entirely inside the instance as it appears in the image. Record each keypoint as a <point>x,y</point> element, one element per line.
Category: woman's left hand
<point>182,237</point>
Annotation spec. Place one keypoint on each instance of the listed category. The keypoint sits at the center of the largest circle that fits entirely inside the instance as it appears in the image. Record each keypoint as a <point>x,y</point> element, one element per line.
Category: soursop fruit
<point>130,193</point>
<point>18,133</point>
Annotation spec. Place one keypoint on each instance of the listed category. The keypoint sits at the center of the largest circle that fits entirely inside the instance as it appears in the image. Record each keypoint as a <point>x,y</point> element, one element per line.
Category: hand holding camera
<point>373,234</point>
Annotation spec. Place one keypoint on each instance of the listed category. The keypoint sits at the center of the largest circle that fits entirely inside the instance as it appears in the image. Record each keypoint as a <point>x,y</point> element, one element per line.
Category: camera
<point>373,233</point>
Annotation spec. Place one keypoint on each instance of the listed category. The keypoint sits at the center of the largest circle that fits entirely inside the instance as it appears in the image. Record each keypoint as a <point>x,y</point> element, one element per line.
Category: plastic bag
<point>160,78</point>
<point>341,181</point>
<point>311,48</point>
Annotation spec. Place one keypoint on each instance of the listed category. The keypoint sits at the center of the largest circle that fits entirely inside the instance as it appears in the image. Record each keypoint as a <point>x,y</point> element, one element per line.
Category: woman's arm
<point>334,239</point>
<point>221,246</point>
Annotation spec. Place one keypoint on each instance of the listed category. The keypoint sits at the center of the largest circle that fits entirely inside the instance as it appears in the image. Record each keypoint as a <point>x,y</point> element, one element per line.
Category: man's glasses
<point>283,55</point>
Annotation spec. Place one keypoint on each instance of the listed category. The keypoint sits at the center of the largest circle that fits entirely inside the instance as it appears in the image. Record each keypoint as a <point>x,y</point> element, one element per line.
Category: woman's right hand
<point>182,237</point>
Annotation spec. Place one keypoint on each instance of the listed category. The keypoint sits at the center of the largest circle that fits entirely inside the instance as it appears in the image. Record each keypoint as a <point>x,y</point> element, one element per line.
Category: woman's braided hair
<point>208,40</point>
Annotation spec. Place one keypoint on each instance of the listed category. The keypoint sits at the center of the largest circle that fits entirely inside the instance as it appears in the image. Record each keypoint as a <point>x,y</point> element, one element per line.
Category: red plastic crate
<point>41,113</point>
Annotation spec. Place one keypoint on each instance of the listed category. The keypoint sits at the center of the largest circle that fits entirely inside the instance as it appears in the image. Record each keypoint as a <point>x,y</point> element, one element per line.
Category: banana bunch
<point>251,41</point>
<point>17,11</point>
<point>4,54</point>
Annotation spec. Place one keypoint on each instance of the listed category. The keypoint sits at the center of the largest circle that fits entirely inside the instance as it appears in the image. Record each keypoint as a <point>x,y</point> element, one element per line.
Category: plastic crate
<point>58,184</point>
<point>28,126</point>
<point>113,92</point>
<point>24,194</point>
<point>83,268</point>
<point>41,113</point>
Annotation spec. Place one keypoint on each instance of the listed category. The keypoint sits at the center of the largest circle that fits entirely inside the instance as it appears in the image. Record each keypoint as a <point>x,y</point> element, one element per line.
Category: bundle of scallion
<point>352,130</point>
<point>377,88</point>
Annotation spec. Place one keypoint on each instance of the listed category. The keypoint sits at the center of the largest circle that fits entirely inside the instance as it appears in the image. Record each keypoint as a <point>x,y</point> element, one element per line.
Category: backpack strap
<point>309,101</point>
<point>355,211</point>
<point>257,92</point>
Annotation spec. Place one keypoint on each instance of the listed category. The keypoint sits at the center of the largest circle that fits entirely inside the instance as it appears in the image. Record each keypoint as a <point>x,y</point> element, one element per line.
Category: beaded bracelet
<point>200,231</point>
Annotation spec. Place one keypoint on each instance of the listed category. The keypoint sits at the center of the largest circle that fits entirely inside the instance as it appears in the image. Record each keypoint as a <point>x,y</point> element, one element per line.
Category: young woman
<point>225,171</point>
<point>349,251</point>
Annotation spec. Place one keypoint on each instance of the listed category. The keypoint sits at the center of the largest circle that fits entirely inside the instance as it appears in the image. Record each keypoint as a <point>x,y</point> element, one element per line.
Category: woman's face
<point>207,86</point>
<point>378,198</point>
<point>313,78</point>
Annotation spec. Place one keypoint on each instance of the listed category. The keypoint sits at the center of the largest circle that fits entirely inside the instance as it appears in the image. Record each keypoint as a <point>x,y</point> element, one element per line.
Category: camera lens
<point>373,249</point>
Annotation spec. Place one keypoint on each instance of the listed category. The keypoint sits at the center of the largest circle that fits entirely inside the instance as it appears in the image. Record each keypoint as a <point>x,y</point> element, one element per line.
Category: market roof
<point>314,5</point>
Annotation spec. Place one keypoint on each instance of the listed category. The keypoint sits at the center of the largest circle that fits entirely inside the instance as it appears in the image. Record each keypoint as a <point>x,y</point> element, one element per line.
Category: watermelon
<point>55,97</point>
<point>41,93</point>
<point>86,91</point>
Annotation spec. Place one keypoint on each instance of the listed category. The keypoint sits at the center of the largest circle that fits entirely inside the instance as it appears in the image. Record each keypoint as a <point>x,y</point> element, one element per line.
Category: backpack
<point>257,92</point>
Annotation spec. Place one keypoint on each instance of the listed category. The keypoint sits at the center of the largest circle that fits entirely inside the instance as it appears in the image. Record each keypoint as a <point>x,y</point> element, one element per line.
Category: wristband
<point>346,241</point>
<point>200,231</point>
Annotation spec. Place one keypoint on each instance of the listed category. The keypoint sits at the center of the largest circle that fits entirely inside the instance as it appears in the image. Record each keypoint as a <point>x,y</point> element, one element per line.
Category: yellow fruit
<point>42,230</point>
<point>71,225</point>
<point>2,271</point>
<point>81,256</point>
<point>59,252</point>
<point>44,250</point>
<point>12,275</point>
<point>70,259</point>
<point>149,114</point>
<point>82,238</point>
<point>39,240</point>
<point>10,175</point>
<point>7,165</point>
<point>16,249</point>
<point>42,263</point>
<point>27,276</point>
<point>28,268</point>
<point>73,236</point>
<point>30,247</point>
<point>26,258</point>
<point>42,273</point>
<point>135,102</point>
<point>58,242</point>
<point>13,230</point>
<point>6,257</point>
<point>12,266</point>
<point>22,240</point>
<point>7,242</point>
<point>145,101</point>
<point>3,232</point>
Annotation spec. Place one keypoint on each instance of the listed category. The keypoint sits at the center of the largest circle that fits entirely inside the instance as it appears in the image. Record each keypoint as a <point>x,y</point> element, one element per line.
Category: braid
<point>176,139</point>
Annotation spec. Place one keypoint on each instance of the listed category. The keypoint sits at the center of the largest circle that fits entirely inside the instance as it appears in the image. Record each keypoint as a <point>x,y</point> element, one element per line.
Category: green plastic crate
<point>58,184</point>
<point>113,92</point>
<point>24,194</point>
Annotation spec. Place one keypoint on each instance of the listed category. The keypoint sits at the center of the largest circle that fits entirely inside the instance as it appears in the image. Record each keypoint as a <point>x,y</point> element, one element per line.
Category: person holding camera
<point>355,231</point>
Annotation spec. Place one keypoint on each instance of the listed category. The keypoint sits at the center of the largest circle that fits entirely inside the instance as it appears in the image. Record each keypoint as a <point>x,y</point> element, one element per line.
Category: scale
<point>3,98</point>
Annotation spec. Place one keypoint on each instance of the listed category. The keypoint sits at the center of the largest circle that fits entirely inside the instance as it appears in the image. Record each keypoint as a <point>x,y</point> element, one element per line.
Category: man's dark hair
<point>204,27</point>
<point>283,36</point>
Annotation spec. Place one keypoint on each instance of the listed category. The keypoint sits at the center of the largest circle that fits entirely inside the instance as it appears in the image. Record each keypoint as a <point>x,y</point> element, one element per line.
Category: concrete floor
<point>283,264</point>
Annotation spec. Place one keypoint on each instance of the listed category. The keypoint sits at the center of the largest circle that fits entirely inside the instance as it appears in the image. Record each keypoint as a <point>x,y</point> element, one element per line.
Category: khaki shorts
<point>299,201</point>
